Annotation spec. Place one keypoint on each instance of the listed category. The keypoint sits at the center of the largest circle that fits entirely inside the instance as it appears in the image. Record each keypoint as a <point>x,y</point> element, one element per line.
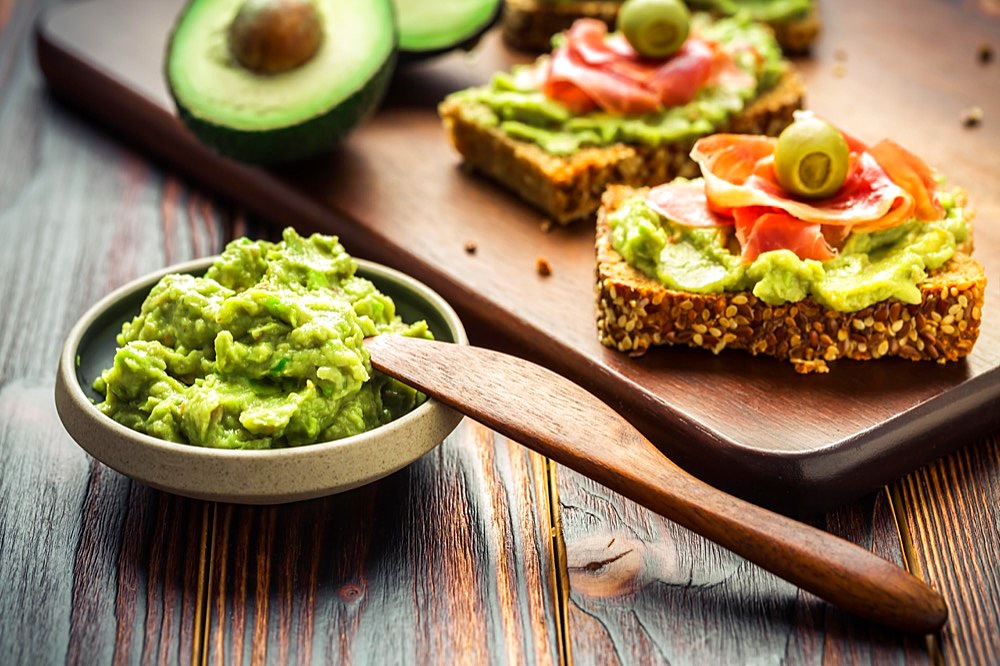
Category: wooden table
<point>479,552</point>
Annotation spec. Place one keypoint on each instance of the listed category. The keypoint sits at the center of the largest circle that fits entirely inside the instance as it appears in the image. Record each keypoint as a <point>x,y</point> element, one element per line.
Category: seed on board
<point>543,266</point>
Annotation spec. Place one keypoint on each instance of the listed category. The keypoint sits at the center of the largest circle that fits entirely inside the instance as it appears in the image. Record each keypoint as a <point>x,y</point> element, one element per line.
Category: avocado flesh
<point>274,118</point>
<point>428,27</point>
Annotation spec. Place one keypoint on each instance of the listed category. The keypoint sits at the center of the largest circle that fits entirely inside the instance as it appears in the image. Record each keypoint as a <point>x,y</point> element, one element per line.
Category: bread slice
<point>528,25</point>
<point>569,188</point>
<point>635,312</point>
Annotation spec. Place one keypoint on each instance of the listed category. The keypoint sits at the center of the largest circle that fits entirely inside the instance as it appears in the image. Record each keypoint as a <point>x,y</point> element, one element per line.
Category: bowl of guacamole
<point>243,377</point>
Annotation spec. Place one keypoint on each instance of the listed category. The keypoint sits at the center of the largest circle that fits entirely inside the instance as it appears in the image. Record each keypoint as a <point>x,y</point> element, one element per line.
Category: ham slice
<point>761,230</point>
<point>912,173</point>
<point>868,200</point>
<point>685,203</point>
<point>591,70</point>
<point>886,185</point>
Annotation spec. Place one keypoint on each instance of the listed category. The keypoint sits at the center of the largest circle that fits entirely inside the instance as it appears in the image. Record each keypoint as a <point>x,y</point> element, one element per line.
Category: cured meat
<point>685,202</point>
<point>912,173</point>
<point>868,200</point>
<point>591,70</point>
<point>761,230</point>
<point>885,186</point>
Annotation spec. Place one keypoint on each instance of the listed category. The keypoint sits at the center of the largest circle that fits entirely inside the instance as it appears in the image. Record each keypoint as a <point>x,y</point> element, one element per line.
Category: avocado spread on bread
<point>515,103</point>
<point>871,267</point>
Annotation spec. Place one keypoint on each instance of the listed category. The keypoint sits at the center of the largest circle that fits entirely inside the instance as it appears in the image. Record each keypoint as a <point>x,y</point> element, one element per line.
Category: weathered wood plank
<point>643,590</point>
<point>93,568</point>
<point>446,561</point>
<point>948,510</point>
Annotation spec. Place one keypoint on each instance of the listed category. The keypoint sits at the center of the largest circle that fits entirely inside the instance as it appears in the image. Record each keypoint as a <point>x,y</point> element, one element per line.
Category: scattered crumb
<point>471,247</point>
<point>546,226</point>
<point>840,55</point>
<point>972,117</point>
<point>839,70</point>
<point>985,53</point>
<point>543,267</point>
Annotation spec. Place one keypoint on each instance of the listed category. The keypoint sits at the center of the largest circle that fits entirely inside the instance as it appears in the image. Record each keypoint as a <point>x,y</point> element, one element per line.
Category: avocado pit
<point>274,36</point>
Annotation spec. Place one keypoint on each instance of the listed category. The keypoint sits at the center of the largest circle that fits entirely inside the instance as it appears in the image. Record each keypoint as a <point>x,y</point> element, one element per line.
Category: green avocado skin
<point>282,145</point>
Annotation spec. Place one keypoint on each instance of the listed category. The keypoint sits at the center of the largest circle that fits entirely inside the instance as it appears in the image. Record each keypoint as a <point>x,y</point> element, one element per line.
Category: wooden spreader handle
<point>557,418</point>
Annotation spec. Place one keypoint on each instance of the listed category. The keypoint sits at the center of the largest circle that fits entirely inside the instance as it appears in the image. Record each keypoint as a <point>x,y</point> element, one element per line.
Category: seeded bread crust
<point>528,25</point>
<point>635,312</point>
<point>569,188</point>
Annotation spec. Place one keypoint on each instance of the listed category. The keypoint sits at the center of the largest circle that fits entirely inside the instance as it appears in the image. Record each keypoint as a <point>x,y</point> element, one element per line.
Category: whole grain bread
<point>569,188</point>
<point>528,25</point>
<point>636,312</point>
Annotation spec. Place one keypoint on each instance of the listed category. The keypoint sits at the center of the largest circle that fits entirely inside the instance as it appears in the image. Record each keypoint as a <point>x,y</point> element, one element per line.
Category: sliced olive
<point>811,158</point>
<point>654,28</point>
<point>272,36</point>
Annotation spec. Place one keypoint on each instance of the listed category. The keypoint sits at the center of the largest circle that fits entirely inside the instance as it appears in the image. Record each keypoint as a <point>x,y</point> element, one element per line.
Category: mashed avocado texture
<point>512,103</point>
<point>871,267</point>
<point>263,351</point>
<point>759,10</point>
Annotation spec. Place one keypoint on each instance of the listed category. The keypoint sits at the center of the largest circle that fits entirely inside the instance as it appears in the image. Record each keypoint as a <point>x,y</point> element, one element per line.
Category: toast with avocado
<point>597,110</point>
<point>529,25</point>
<point>882,267</point>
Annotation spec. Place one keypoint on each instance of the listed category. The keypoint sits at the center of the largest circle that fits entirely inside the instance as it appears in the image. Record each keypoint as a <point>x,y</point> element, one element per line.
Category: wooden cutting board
<point>395,192</point>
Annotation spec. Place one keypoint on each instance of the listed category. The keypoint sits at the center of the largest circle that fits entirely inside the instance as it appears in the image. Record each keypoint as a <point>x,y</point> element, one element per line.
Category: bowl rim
<point>69,386</point>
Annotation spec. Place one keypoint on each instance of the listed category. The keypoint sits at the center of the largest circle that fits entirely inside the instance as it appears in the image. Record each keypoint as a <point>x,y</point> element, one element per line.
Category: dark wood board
<point>394,192</point>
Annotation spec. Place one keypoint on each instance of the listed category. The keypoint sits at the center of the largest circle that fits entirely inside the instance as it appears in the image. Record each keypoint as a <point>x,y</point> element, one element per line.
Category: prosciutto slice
<point>885,186</point>
<point>685,202</point>
<point>591,70</point>
<point>869,198</point>
<point>761,230</point>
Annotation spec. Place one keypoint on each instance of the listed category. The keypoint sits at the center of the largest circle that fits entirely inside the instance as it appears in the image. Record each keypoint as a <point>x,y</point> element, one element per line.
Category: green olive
<point>811,158</point>
<point>273,36</point>
<point>654,28</point>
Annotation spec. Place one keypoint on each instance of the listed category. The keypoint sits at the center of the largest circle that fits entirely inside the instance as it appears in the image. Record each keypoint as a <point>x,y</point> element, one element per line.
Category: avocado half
<point>278,118</point>
<point>432,27</point>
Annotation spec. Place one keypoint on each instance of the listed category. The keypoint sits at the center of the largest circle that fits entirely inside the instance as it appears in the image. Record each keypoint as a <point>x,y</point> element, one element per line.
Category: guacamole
<point>871,267</point>
<point>758,10</point>
<point>513,103</point>
<point>263,351</point>
<point>776,11</point>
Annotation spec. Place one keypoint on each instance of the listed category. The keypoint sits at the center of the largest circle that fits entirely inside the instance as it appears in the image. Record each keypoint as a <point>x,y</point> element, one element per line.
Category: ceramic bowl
<point>249,477</point>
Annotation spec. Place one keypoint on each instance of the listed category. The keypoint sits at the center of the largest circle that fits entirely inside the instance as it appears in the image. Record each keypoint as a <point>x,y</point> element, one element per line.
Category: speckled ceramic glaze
<point>250,477</point>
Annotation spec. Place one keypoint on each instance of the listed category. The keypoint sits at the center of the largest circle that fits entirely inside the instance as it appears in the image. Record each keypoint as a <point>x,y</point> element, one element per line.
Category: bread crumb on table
<point>985,53</point>
<point>972,117</point>
<point>471,247</point>
<point>543,267</point>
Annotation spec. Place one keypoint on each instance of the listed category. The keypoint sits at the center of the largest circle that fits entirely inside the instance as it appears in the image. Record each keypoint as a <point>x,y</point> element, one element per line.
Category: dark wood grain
<point>950,518</point>
<point>394,192</point>
<point>94,568</point>
<point>565,423</point>
<point>447,561</point>
<point>644,590</point>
